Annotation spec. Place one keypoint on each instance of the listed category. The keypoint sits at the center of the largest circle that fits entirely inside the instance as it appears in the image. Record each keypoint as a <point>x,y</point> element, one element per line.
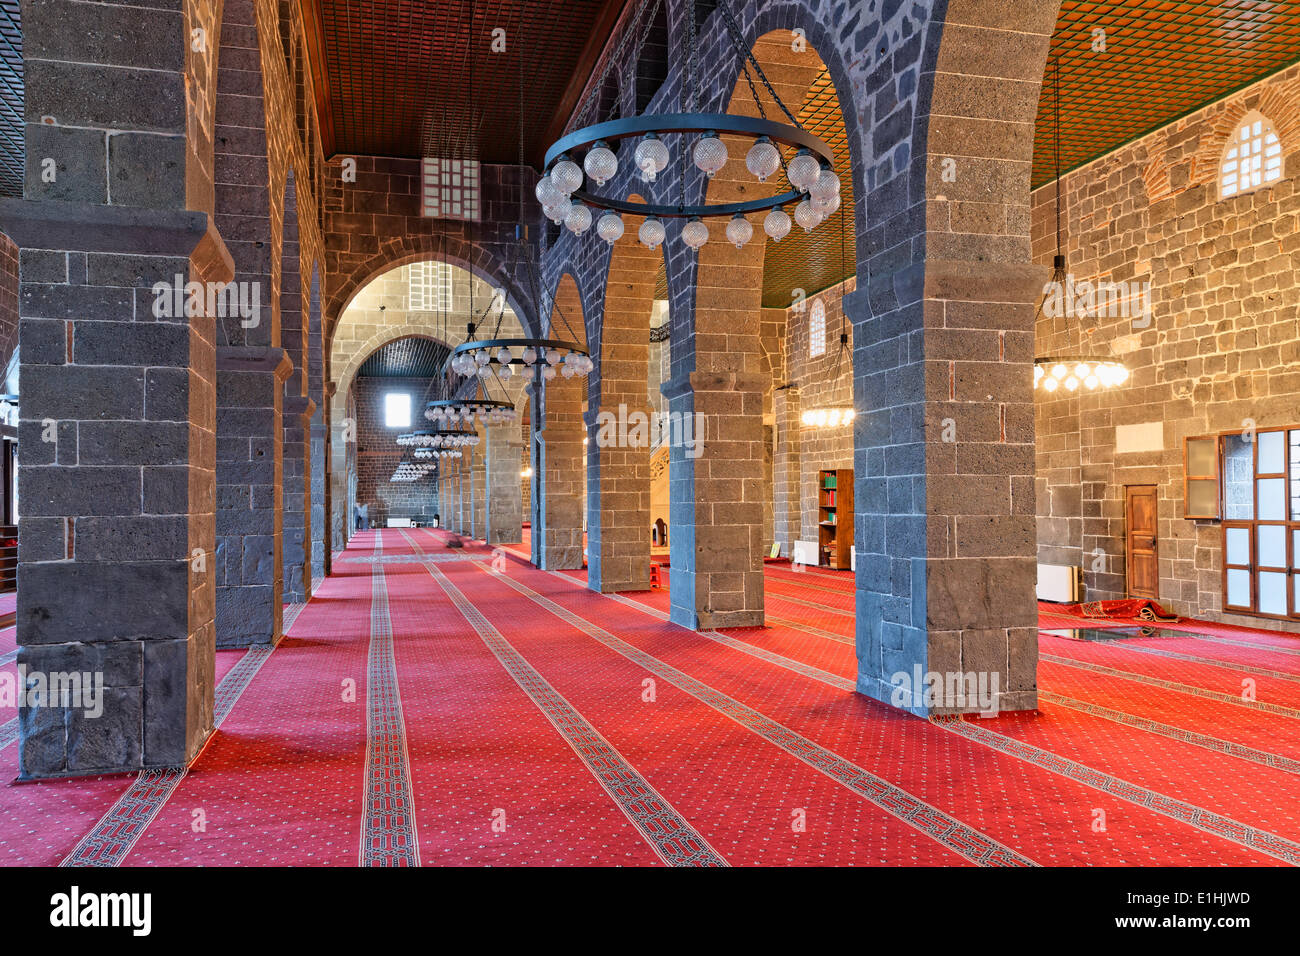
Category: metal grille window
<point>430,287</point>
<point>1252,158</point>
<point>451,189</point>
<point>817,329</point>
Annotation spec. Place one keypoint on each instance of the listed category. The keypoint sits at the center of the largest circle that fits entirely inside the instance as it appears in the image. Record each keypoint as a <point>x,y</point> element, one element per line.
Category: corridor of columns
<point>659,432</point>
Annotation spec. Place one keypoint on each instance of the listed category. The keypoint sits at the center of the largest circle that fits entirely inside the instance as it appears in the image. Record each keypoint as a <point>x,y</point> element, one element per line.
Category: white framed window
<point>430,287</point>
<point>1252,157</point>
<point>451,188</point>
<point>817,329</point>
<point>397,410</point>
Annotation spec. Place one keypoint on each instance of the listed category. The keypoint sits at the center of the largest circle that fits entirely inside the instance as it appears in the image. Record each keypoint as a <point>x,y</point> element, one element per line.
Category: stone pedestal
<point>250,566</point>
<point>618,504</point>
<point>716,488</point>
<point>115,564</point>
<point>504,492</point>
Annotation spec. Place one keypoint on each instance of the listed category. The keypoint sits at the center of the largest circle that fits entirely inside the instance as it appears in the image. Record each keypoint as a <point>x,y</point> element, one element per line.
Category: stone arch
<point>399,252</point>
<point>722,373</point>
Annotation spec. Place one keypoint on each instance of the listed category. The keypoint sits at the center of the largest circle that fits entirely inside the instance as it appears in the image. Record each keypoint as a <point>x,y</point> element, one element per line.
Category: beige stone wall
<point>1222,345</point>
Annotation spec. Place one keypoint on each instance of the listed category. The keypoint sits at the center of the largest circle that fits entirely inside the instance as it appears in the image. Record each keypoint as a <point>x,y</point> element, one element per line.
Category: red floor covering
<point>516,726</point>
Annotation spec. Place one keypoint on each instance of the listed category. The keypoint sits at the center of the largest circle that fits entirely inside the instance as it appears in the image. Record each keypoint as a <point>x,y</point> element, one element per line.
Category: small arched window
<point>1252,158</point>
<point>817,329</point>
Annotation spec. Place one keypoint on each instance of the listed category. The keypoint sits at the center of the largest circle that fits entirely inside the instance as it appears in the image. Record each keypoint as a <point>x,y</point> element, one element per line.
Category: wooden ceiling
<point>1162,60</point>
<point>418,78</point>
<point>411,78</point>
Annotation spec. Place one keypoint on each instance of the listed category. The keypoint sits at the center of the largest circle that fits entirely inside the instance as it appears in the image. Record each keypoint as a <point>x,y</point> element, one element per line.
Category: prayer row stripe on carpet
<point>946,830</point>
<point>111,839</point>
<point>669,833</point>
<point>388,831</point>
<point>1217,824</point>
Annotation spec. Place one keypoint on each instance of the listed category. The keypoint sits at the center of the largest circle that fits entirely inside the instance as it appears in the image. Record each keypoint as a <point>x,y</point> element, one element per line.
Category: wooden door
<point>1142,563</point>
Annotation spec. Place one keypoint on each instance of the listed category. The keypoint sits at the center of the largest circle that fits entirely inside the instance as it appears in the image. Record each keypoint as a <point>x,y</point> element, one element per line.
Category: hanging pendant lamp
<point>814,191</point>
<point>1069,372</point>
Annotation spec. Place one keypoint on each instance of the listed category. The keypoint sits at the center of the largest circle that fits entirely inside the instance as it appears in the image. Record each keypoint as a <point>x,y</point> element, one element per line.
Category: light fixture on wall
<point>830,416</point>
<point>1069,372</point>
<point>814,186</point>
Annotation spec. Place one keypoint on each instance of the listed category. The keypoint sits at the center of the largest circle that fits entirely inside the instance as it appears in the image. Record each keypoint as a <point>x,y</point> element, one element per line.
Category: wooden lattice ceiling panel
<point>419,78</point>
<point>1162,60</point>
<point>815,260</point>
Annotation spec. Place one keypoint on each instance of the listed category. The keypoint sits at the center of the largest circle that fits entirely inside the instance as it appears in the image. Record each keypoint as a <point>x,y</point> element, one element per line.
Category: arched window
<point>817,329</point>
<point>1252,158</point>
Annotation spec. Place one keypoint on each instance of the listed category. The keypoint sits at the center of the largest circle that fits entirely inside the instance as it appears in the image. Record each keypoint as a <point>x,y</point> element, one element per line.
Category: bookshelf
<point>835,518</point>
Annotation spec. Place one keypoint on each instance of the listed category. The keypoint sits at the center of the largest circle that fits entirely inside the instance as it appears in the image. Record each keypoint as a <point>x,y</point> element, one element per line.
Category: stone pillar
<point>460,491</point>
<point>945,528</point>
<point>716,488</point>
<point>318,431</point>
<point>477,458</point>
<point>560,473</point>
<point>117,418</point>
<point>786,468</point>
<point>250,570</point>
<point>618,501</point>
<point>298,412</point>
<point>504,491</point>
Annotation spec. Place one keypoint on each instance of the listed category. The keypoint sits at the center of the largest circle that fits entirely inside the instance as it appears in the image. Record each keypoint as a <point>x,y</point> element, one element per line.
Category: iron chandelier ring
<point>782,133</point>
<point>486,403</point>
<point>493,345</point>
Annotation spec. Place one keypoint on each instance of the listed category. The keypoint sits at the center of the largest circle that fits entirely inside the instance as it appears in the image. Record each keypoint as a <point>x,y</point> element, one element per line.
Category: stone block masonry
<point>1219,350</point>
<point>116,558</point>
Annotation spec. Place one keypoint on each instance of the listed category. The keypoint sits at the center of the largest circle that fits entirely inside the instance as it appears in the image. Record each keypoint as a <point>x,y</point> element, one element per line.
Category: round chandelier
<point>830,416</point>
<point>814,187</point>
<point>486,411</point>
<point>505,357</point>
<point>413,471</point>
<point>443,439</point>
<point>1073,373</point>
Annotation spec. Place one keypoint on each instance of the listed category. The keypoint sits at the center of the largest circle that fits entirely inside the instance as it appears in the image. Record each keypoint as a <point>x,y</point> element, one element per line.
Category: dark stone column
<point>115,558</point>
<point>477,460</point>
<point>250,566</point>
<point>298,412</point>
<point>944,479</point>
<point>318,461</point>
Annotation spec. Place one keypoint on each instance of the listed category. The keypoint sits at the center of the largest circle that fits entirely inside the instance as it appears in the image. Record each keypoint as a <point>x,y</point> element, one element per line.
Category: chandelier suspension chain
<point>747,54</point>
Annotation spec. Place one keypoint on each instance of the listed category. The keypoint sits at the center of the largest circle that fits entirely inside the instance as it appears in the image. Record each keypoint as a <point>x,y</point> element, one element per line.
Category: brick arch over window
<point>399,252</point>
<point>1277,99</point>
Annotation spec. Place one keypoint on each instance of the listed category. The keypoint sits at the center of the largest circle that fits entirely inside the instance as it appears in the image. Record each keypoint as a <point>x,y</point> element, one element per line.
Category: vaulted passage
<point>649,432</point>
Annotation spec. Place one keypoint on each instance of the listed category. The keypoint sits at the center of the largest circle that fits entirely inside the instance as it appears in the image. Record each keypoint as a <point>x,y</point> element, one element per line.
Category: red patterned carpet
<point>431,708</point>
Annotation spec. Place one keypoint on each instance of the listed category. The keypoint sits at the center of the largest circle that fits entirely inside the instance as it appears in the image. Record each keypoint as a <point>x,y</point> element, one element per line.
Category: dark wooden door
<point>1142,561</point>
